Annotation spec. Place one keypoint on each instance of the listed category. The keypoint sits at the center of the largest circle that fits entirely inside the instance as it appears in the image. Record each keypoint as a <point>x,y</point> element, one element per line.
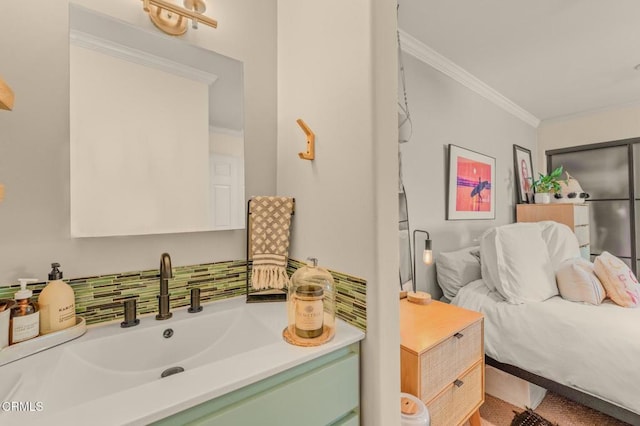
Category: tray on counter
<point>41,343</point>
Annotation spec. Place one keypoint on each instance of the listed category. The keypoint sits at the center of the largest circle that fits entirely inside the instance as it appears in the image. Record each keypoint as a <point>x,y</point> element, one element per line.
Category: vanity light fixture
<point>427,254</point>
<point>172,19</point>
<point>6,96</point>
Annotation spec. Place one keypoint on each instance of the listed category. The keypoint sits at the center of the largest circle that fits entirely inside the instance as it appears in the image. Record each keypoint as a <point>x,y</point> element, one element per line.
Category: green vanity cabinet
<point>323,391</point>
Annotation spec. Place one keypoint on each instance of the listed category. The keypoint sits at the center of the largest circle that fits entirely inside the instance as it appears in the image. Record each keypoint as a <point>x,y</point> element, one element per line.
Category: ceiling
<point>550,57</point>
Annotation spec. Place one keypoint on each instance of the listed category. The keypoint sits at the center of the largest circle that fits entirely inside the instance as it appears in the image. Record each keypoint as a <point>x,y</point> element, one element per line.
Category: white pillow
<point>516,262</point>
<point>455,269</point>
<point>577,281</point>
<point>562,243</point>
<point>489,258</point>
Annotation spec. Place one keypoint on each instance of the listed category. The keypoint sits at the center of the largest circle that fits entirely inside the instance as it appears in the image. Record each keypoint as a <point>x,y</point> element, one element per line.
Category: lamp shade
<point>427,254</point>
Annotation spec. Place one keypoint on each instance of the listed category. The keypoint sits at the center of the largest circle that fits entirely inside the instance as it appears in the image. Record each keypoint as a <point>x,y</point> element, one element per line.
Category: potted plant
<point>545,185</point>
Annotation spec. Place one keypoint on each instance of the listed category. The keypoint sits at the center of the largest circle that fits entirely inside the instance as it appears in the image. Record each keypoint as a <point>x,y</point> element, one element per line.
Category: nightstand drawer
<point>446,361</point>
<point>455,403</point>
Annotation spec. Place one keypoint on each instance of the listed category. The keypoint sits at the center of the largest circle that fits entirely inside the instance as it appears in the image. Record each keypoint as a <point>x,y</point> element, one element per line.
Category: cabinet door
<point>320,397</point>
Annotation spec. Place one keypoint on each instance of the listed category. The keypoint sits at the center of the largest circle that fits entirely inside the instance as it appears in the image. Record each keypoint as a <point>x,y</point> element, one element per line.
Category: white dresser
<point>575,216</point>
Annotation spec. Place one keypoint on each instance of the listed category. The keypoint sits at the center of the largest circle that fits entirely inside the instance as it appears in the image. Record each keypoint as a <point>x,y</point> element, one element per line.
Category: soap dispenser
<point>24,322</point>
<point>57,303</point>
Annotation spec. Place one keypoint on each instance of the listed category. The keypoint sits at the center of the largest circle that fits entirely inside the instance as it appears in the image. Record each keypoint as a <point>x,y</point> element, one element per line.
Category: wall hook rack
<point>311,141</point>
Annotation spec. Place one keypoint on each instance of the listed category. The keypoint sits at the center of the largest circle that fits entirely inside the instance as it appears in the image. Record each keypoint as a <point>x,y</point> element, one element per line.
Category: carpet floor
<point>555,408</point>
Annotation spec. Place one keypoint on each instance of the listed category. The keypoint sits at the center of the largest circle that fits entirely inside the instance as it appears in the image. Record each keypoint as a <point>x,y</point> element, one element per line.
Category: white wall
<point>445,112</point>
<point>598,126</point>
<point>336,71</point>
<point>34,138</point>
<point>226,142</point>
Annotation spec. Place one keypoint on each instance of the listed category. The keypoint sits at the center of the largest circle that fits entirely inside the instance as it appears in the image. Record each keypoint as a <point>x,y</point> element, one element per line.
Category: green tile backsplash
<point>99,299</point>
<point>351,297</point>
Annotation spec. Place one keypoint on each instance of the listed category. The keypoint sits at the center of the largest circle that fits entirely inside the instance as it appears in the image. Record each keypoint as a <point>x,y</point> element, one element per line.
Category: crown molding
<point>424,53</point>
<point>121,51</point>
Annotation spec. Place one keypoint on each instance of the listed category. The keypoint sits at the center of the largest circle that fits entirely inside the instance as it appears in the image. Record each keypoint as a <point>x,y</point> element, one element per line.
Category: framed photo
<point>471,186</point>
<point>524,173</point>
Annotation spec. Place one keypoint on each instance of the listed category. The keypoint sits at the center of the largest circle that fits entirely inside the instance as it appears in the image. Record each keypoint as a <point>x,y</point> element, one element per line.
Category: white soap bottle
<point>24,323</point>
<point>57,303</point>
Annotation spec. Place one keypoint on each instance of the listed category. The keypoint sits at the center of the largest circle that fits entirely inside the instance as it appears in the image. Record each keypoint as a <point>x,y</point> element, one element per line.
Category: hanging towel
<point>269,230</point>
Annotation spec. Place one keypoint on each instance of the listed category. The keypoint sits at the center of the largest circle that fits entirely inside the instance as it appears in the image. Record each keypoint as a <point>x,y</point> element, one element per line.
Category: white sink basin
<point>194,339</point>
<point>116,358</point>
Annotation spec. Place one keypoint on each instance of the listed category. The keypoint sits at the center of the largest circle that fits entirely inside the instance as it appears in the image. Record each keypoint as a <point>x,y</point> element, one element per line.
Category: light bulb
<point>427,254</point>
<point>427,257</point>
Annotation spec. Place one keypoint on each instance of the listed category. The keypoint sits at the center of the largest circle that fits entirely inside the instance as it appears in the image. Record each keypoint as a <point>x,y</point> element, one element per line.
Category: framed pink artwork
<point>471,186</point>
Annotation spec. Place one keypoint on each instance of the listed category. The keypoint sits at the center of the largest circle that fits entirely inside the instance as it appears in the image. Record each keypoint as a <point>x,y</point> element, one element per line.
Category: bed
<point>588,353</point>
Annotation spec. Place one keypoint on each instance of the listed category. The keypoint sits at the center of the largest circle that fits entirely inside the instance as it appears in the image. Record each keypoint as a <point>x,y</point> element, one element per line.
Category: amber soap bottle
<point>24,323</point>
<point>57,303</point>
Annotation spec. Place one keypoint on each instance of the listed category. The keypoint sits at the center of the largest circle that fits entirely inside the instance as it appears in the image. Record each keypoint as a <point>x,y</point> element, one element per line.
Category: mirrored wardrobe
<point>609,173</point>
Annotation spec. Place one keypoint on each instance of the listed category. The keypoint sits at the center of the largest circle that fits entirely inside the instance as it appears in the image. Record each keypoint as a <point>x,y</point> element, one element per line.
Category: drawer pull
<point>458,383</point>
<point>458,335</point>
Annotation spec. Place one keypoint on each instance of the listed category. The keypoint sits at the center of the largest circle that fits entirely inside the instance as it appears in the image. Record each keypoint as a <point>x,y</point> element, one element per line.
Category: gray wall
<point>445,112</point>
<point>34,138</point>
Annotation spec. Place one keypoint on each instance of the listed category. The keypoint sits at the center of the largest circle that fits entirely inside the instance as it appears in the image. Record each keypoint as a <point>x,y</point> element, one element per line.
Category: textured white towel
<point>269,231</point>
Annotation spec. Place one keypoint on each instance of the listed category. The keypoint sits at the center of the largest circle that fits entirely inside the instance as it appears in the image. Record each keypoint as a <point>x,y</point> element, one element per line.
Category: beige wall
<point>599,126</point>
<point>336,71</point>
<point>34,138</point>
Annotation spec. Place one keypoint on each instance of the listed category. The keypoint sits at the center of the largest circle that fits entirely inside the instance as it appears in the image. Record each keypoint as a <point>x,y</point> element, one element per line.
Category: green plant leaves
<point>550,182</point>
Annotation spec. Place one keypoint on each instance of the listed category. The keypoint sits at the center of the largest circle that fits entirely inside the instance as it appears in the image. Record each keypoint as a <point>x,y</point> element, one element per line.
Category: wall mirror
<point>156,132</point>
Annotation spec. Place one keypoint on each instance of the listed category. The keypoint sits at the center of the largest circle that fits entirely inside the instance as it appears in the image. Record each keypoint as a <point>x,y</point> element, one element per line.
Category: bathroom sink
<point>188,341</point>
<point>129,357</point>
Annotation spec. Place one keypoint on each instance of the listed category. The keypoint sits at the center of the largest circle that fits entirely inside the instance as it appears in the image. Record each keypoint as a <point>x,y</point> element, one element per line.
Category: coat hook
<point>311,139</point>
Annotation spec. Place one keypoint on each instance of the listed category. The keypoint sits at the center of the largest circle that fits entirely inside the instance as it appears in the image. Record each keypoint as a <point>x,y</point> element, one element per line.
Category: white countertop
<point>38,380</point>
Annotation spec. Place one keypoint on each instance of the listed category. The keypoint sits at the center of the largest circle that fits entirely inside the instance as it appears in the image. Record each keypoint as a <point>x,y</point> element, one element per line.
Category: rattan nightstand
<point>442,360</point>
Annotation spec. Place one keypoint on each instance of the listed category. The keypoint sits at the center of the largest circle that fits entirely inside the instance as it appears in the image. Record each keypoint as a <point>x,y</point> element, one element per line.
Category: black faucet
<point>163,297</point>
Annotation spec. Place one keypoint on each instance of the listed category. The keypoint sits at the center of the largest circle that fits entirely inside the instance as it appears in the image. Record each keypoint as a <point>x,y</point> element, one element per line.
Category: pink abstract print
<point>473,186</point>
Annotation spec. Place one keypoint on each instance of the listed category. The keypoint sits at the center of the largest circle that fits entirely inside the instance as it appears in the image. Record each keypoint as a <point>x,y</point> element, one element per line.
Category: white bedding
<point>595,349</point>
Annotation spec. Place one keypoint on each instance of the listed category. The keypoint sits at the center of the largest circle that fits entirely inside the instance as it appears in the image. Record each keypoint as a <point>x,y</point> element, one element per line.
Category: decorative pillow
<point>515,261</point>
<point>618,280</point>
<point>578,282</point>
<point>562,243</point>
<point>455,269</point>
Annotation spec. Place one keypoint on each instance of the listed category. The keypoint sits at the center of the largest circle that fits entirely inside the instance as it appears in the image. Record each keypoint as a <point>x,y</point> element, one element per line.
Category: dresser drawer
<point>446,361</point>
<point>585,252</point>
<point>455,403</point>
<point>580,214</point>
<point>582,234</point>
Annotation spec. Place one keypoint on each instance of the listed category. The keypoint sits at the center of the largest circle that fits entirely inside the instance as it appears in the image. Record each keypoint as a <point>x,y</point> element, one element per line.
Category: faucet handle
<point>195,301</point>
<point>130,312</point>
